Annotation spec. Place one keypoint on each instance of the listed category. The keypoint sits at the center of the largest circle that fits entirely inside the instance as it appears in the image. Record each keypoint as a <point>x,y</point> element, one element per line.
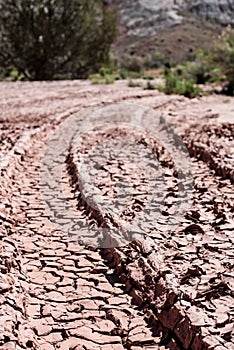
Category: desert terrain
<point>168,288</point>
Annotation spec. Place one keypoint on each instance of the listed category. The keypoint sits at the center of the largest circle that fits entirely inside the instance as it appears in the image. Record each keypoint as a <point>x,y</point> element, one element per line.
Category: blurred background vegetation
<point>73,39</point>
<point>212,66</point>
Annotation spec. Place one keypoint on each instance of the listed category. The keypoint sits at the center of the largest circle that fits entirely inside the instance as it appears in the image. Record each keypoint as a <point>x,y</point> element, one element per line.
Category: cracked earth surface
<point>168,290</point>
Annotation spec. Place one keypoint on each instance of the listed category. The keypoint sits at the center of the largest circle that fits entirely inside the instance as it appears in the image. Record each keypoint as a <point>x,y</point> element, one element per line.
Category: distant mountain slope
<point>168,25</point>
<point>148,17</point>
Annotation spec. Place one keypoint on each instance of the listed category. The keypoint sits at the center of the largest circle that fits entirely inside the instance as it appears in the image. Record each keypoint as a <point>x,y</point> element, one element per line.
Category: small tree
<point>45,38</point>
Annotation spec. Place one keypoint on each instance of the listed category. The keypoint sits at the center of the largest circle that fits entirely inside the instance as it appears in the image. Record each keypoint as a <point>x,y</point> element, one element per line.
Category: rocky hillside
<point>143,22</point>
<point>148,17</point>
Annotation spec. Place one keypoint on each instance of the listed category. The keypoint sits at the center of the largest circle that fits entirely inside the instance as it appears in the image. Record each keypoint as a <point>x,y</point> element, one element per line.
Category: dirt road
<point>167,290</point>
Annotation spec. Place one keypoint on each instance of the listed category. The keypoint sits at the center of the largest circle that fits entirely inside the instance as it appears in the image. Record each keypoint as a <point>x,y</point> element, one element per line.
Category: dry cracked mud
<point>165,290</point>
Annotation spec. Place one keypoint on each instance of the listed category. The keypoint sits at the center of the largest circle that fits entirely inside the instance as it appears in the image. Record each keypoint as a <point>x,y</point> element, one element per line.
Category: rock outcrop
<point>221,11</point>
<point>146,17</point>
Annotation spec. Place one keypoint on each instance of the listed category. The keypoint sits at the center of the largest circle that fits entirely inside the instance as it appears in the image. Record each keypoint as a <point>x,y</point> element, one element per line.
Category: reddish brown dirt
<point>166,291</point>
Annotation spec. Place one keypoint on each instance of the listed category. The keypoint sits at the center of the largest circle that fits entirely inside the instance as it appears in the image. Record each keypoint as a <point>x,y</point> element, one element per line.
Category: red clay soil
<point>167,290</point>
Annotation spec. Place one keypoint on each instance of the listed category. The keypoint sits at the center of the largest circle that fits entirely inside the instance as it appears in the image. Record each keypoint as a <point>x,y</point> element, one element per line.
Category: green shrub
<point>96,79</point>
<point>135,75</point>
<point>11,74</point>
<point>229,69</point>
<point>146,76</point>
<point>223,58</point>
<point>99,79</point>
<point>171,82</point>
<point>109,79</point>
<point>198,72</point>
<point>104,71</point>
<point>109,68</point>
<point>175,84</point>
<point>131,63</point>
<point>189,89</point>
<point>201,69</point>
<point>14,75</point>
<point>123,73</point>
<point>154,60</point>
<point>134,84</point>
